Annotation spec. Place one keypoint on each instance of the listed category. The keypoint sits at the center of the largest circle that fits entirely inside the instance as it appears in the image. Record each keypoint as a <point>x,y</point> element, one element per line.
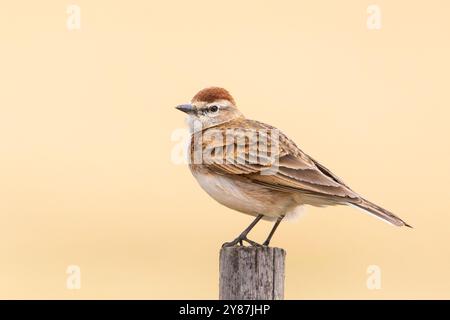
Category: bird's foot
<point>240,240</point>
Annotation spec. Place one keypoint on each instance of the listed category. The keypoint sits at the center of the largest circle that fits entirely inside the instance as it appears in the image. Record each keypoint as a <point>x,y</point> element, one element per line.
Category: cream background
<point>86,119</point>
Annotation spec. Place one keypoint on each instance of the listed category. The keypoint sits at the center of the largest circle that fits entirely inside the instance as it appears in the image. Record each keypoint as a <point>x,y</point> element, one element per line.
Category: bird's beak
<point>186,108</point>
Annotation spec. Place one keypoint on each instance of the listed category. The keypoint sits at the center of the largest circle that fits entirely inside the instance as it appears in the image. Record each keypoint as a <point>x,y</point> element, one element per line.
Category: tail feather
<point>379,212</point>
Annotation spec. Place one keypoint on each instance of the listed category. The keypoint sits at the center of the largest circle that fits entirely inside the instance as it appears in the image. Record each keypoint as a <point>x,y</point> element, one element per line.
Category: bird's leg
<point>243,236</point>
<point>275,226</point>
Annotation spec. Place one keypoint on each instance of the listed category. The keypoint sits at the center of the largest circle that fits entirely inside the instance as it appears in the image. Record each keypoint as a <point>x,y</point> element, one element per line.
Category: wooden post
<point>251,273</point>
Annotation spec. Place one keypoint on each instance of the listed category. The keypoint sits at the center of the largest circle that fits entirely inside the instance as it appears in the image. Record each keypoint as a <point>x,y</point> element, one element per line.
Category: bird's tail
<point>379,212</point>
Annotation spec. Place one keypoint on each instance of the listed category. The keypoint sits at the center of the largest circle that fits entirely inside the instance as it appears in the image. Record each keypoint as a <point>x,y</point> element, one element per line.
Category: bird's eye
<point>213,109</point>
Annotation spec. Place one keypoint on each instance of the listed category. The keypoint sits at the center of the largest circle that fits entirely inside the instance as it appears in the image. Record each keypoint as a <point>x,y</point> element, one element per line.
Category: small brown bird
<point>254,168</point>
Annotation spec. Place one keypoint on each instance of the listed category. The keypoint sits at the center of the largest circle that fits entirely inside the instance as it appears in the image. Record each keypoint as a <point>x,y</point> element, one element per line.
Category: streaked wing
<point>272,160</point>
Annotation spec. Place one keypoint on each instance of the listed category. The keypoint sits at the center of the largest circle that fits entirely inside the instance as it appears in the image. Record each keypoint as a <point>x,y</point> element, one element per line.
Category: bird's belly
<point>246,197</point>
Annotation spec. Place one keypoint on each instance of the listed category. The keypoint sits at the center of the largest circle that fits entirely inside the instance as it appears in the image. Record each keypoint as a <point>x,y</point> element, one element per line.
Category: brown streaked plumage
<point>233,169</point>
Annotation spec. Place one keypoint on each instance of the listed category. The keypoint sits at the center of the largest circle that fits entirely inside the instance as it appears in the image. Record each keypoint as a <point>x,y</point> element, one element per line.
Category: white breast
<point>226,191</point>
<point>246,197</point>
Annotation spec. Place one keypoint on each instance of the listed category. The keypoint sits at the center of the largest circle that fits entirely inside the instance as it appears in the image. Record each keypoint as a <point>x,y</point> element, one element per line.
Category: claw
<point>253,243</point>
<point>240,240</point>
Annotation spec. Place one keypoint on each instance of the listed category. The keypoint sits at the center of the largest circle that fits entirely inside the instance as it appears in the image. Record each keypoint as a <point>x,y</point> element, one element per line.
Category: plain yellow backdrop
<point>86,118</point>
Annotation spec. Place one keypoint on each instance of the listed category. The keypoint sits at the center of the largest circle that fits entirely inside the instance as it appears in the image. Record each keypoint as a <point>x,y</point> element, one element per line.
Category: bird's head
<point>210,107</point>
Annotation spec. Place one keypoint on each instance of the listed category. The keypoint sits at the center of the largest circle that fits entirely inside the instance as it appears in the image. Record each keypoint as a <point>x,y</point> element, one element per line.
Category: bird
<point>254,168</point>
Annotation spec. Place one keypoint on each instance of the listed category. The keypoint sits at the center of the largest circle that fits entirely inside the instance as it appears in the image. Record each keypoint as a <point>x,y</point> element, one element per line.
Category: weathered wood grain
<point>251,273</point>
